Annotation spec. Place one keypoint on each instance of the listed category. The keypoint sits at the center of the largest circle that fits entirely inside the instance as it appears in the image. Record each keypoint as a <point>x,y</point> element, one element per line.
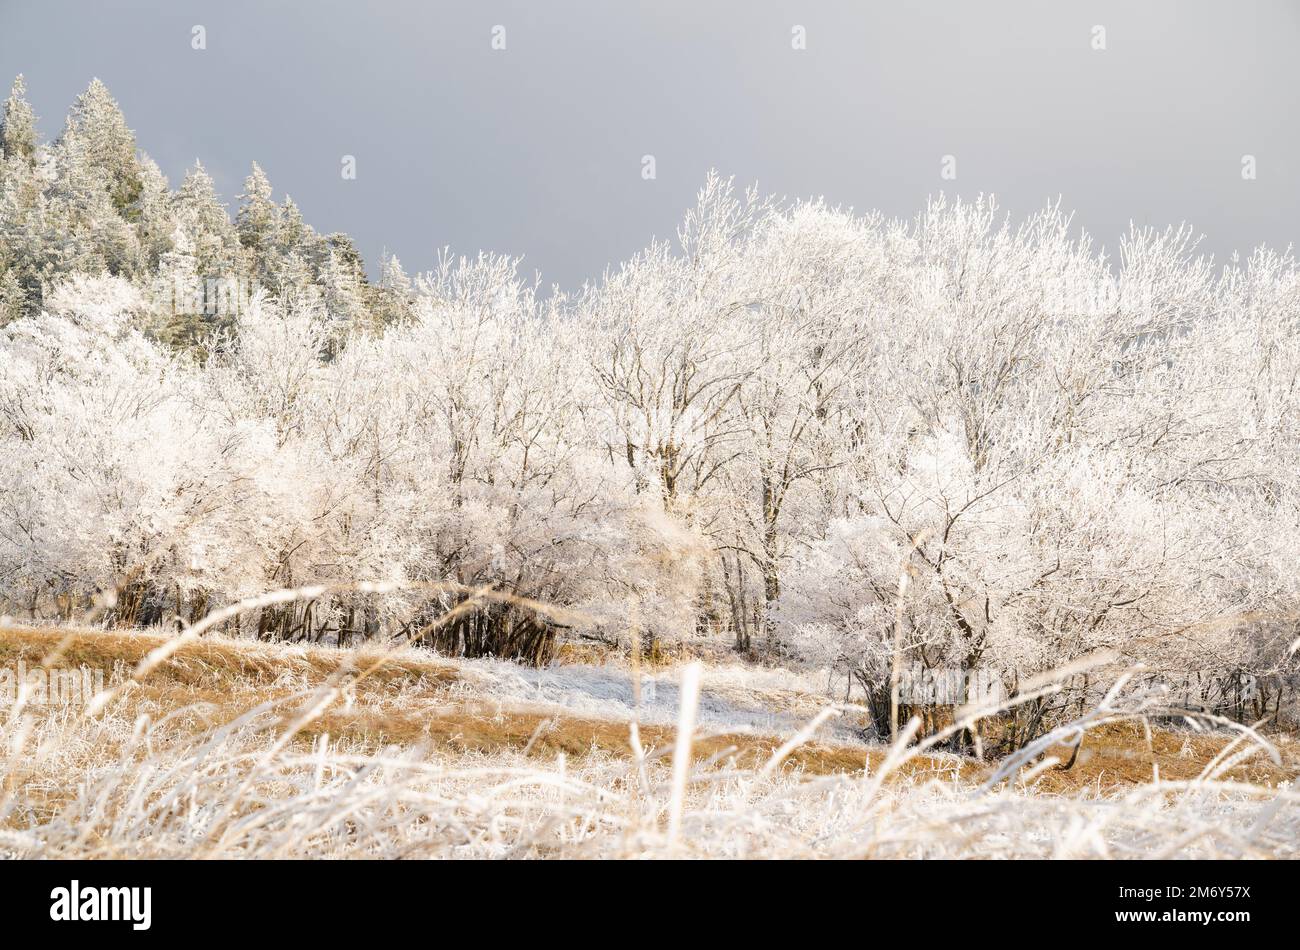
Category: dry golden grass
<point>1118,755</point>
<point>242,749</point>
<point>406,701</point>
<point>210,662</point>
<point>213,681</point>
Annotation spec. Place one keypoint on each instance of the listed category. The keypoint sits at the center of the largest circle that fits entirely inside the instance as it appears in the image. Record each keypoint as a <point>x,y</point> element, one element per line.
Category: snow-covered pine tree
<point>155,220</point>
<point>393,295</point>
<point>257,223</point>
<point>344,287</point>
<point>201,212</point>
<point>107,146</point>
<point>84,231</point>
<point>18,137</point>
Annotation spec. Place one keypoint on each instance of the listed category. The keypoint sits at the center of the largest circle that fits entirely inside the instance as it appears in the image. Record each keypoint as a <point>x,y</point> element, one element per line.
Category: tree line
<point>976,444</point>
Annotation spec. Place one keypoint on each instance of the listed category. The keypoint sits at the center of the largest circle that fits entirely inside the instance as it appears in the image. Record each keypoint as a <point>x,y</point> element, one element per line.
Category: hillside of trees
<point>978,444</point>
<point>90,203</point>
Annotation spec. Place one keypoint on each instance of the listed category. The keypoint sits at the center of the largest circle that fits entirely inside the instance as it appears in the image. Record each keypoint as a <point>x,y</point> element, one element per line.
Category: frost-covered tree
<point>393,300</point>
<point>668,333</point>
<point>257,223</point>
<point>155,220</point>
<point>344,288</point>
<point>26,257</point>
<point>200,211</point>
<point>105,145</point>
<point>18,136</point>
<point>83,230</point>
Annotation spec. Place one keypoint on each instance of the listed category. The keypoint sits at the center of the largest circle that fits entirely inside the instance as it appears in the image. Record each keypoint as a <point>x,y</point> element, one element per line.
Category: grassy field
<point>242,749</point>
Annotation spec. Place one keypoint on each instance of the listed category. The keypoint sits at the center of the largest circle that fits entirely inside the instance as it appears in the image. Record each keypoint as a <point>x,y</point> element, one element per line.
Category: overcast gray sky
<point>536,150</point>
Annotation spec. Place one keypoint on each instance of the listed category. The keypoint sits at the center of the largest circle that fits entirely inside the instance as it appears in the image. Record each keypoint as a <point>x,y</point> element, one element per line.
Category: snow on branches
<point>796,428</point>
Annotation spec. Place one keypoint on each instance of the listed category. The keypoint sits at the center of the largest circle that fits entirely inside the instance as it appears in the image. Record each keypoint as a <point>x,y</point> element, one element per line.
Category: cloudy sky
<point>536,150</point>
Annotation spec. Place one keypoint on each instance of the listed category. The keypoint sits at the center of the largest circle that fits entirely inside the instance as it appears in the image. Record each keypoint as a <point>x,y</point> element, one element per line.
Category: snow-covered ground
<point>732,698</point>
